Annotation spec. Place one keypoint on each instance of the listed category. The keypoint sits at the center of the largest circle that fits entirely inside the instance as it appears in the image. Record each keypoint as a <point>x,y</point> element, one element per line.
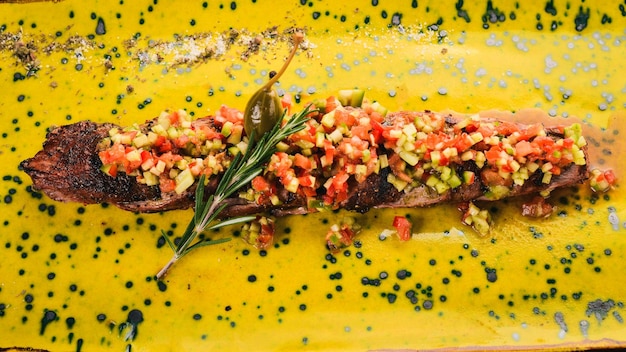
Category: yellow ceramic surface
<point>75,277</point>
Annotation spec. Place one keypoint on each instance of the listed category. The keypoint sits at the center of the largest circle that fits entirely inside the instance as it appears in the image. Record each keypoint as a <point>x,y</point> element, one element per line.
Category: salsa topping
<point>341,235</point>
<point>602,181</point>
<point>173,151</point>
<point>479,219</point>
<point>343,144</point>
<point>259,232</point>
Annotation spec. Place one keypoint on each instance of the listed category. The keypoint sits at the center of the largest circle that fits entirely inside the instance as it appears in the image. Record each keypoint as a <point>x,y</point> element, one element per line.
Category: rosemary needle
<point>243,168</point>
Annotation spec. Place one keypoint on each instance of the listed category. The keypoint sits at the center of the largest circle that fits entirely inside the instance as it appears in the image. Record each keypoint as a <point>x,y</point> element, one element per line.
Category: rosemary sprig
<point>243,168</point>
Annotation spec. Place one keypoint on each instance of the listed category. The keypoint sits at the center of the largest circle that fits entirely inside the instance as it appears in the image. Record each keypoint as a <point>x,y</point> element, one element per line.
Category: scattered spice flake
<point>188,50</point>
<point>28,48</point>
<point>24,50</point>
<point>26,54</point>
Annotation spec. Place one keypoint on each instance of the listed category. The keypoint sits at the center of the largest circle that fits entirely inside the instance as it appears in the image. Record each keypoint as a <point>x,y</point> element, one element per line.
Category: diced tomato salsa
<point>342,234</point>
<point>342,145</point>
<point>158,153</point>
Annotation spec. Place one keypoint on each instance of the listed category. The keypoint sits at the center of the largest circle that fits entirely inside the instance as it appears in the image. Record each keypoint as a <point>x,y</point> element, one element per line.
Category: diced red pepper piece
<point>343,117</point>
<point>302,161</point>
<point>568,143</point>
<point>403,227</point>
<point>331,103</point>
<point>112,155</point>
<point>260,184</point>
<point>145,156</point>
<point>226,113</point>
<point>610,177</point>
<point>112,171</point>
<point>162,144</point>
<point>493,154</point>
<point>209,133</point>
<point>377,131</point>
<point>182,141</point>
<point>286,102</point>
<point>523,148</point>
<point>340,181</point>
<point>485,129</point>
<point>173,117</point>
<point>266,237</point>
<point>506,128</point>
<point>166,184</point>
<point>530,132</point>
<point>463,142</point>
<point>360,132</point>
<point>329,151</point>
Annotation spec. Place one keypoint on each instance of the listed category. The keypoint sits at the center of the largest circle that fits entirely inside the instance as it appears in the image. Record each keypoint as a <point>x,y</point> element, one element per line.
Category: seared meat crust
<point>67,169</point>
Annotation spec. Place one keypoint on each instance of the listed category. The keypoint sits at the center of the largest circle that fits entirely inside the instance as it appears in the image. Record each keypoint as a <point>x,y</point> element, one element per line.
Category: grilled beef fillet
<point>67,169</point>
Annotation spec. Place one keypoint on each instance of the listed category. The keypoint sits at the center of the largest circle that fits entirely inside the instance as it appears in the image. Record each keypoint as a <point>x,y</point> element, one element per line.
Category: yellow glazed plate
<point>76,277</point>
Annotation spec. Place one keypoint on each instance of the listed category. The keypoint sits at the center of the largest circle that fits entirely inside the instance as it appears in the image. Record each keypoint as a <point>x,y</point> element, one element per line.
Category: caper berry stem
<point>297,39</point>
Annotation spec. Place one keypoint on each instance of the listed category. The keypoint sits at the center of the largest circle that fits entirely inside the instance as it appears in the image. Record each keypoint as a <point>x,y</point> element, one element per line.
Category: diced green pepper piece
<point>376,106</point>
<point>468,177</point>
<point>480,225</point>
<point>497,192</point>
<point>328,120</point>
<point>442,187</point>
<point>351,97</point>
<point>432,181</point>
<point>575,132</point>
<point>454,181</point>
<point>184,180</point>
<point>396,182</point>
<point>151,179</point>
<point>235,136</point>
<point>410,158</point>
<point>319,104</point>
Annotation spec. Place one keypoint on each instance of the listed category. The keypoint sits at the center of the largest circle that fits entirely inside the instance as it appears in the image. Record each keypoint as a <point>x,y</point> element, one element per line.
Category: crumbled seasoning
<point>194,49</point>
<point>27,49</point>
<point>25,52</point>
<point>187,50</point>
